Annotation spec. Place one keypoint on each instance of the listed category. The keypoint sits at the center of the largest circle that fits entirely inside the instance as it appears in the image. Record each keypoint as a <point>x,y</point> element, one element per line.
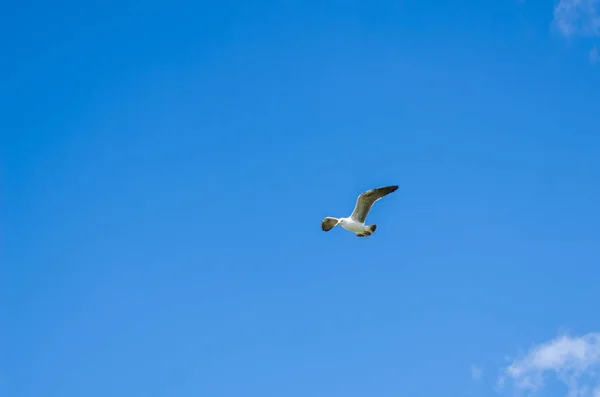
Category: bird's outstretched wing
<point>365,201</point>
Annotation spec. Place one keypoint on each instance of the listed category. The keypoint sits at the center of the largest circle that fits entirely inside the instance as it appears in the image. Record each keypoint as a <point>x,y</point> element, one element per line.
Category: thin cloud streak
<point>476,372</point>
<point>577,17</point>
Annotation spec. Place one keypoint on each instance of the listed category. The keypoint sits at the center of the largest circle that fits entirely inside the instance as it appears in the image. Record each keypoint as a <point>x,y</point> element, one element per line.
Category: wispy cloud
<point>594,59</point>
<point>572,360</point>
<point>577,17</point>
<point>476,372</point>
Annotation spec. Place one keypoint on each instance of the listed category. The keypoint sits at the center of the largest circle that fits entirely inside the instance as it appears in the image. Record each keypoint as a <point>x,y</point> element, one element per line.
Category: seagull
<point>356,221</point>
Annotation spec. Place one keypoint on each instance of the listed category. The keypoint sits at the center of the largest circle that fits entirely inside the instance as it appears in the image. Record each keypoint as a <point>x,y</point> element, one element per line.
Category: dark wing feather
<point>328,223</point>
<point>365,201</point>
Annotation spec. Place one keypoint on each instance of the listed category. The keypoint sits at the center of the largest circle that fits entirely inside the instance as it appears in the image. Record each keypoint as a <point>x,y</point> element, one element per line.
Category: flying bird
<point>356,221</point>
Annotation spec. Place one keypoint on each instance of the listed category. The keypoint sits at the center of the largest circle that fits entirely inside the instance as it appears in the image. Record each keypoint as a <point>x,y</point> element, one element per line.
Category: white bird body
<point>355,223</point>
<point>353,226</point>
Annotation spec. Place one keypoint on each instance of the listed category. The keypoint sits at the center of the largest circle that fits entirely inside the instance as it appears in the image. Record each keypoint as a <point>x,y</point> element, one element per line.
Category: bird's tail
<point>373,227</point>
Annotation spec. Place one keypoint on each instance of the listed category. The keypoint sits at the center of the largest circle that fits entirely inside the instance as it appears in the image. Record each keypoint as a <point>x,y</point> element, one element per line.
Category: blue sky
<point>166,166</point>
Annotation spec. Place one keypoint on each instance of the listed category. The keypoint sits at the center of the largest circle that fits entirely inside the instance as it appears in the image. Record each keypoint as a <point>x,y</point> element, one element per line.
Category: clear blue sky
<point>166,166</point>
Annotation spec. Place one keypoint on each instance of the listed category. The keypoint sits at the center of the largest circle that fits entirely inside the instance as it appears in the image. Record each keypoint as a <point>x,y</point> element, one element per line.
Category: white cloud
<point>573,360</point>
<point>476,372</point>
<point>577,17</point>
